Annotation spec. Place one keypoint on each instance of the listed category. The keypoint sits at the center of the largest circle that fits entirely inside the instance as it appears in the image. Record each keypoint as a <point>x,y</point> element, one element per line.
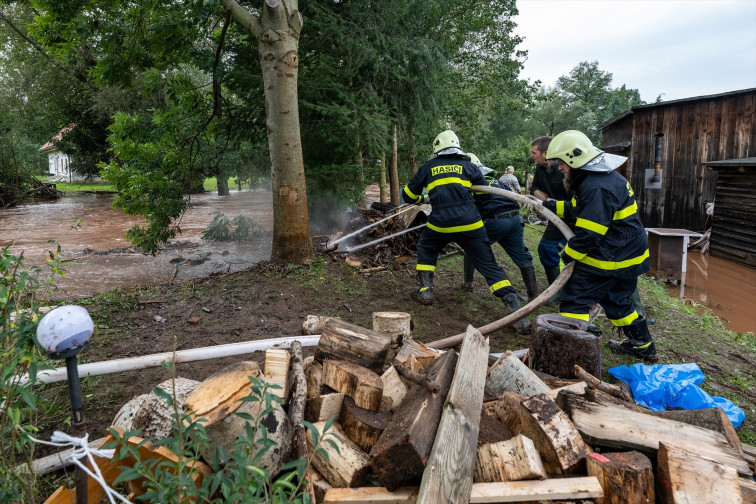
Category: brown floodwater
<point>102,257</point>
<point>725,287</point>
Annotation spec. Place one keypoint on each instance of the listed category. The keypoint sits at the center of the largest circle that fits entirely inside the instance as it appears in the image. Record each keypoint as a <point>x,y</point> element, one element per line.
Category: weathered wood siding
<point>697,130</point>
<point>733,231</point>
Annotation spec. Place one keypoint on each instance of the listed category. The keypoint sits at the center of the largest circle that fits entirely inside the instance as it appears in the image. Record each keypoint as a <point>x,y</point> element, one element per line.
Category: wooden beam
<point>276,371</point>
<point>512,460</point>
<point>511,491</point>
<point>448,476</point>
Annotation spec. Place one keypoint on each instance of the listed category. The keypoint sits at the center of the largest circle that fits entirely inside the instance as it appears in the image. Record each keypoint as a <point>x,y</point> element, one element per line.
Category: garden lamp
<point>63,333</point>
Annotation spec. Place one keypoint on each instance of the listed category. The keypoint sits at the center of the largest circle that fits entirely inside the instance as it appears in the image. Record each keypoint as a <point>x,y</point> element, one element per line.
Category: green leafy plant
<point>220,228</point>
<point>20,401</point>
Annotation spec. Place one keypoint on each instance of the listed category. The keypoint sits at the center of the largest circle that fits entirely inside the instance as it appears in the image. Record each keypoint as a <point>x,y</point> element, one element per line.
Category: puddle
<point>725,287</point>
<point>102,257</point>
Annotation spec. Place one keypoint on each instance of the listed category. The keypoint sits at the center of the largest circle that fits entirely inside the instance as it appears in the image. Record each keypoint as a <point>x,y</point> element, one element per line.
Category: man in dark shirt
<point>548,182</point>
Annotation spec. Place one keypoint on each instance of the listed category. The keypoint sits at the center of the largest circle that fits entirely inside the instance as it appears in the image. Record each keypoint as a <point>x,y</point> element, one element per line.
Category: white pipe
<point>332,244</point>
<point>154,360</point>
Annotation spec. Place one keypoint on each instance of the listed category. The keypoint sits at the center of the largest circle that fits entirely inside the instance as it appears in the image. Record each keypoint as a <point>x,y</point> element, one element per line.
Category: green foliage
<point>220,228</point>
<point>21,404</point>
<point>236,475</point>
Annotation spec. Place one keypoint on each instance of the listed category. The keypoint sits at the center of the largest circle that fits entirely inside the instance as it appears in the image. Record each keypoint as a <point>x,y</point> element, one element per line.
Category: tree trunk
<point>382,178</point>
<point>393,167</point>
<point>277,30</point>
<point>222,185</point>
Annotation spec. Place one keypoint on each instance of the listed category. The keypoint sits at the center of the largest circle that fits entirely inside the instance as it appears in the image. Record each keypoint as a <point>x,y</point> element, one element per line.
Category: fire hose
<point>539,301</point>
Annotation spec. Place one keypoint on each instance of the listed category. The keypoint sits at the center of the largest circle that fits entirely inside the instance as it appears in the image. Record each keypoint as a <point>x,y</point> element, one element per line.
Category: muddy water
<point>102,259</point>
<point>725,287</point>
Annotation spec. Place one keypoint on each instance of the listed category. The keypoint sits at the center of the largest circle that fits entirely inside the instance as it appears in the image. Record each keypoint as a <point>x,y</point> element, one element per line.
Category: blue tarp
<point>673,386</point>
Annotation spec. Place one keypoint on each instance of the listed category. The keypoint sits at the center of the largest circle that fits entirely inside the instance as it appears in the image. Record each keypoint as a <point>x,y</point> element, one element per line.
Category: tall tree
<point>277,30</point>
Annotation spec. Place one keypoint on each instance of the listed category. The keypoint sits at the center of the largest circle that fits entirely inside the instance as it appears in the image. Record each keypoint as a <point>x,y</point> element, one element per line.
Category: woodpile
<point>418,425</point>
<point>398,422</point>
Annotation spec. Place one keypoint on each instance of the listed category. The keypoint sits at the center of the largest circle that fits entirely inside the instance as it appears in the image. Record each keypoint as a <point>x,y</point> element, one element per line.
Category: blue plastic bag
<point>673,386</point>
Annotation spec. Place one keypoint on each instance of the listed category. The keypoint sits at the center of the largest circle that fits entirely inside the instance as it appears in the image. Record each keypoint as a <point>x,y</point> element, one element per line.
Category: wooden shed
<point>733,230</point>
<point>668,145</point>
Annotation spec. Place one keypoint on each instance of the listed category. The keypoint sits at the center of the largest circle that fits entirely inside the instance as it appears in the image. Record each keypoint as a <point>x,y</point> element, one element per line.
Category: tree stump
<point>557,343</point>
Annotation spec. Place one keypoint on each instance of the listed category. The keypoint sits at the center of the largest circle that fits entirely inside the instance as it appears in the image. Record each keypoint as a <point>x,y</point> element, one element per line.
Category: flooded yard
<point>102,257</point>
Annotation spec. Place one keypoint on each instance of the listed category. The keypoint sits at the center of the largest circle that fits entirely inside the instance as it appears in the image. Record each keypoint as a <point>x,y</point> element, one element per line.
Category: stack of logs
<point>411,424</point>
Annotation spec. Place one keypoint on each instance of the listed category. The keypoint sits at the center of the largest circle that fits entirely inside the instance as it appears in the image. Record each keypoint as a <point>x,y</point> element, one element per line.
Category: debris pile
<point>414,424</point>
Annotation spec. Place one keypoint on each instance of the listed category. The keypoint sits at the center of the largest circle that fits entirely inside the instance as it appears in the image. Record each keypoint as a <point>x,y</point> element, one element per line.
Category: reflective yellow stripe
<point>411,194</point>
<point>423,289</point>
<point>499,285</point>
<point>592,226</point>
<point>626,212</point>
<point>612,265</point>
<point>578,256</point>
<point>560,209</point>
<point>573,201</point>
<point>449,180</point>
<point>643,347</point>
<point>579,316</point>
<point>425,267</point>
<point>625,321</point>
<point>456,229</point>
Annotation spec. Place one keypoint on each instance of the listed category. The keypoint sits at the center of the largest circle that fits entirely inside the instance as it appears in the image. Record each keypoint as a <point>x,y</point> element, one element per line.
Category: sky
<point>674,48</point>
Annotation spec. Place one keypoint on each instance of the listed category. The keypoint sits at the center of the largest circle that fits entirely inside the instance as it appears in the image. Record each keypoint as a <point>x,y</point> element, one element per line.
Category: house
<point>670,146</point>
<point>58,162</point>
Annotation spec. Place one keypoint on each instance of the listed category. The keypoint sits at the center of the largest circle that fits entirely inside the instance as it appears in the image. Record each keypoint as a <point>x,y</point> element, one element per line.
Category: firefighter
<point>448,178</point>
<point>610,247</point>
<point>501,217</point>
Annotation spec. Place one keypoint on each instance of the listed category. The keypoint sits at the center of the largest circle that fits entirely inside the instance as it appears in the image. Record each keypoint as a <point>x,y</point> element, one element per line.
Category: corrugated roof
<point>681,100</point>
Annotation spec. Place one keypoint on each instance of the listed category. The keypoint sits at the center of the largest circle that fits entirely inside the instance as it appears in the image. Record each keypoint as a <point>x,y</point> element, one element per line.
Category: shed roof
<point>671,102</point>
<point>58,137</point>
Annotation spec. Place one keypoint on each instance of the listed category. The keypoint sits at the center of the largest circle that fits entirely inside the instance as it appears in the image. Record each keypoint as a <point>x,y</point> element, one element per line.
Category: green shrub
<point>219,229</point>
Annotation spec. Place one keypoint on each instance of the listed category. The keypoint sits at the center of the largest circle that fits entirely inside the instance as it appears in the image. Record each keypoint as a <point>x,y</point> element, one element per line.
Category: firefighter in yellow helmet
<point>448,178</point>
<point>610,247</point>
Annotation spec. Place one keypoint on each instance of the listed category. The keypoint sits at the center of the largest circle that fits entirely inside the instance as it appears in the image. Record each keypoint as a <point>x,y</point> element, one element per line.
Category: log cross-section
<point>448,476</point>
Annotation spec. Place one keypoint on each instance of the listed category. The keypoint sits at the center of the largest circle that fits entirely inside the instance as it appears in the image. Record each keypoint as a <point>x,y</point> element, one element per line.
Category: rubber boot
<point>512,302</point>
<point>636,300</point>
<point>469,273</point>
<point>552,272</point>
<point>424,292</point>
<point>531,285</point>
<point>638,342</point>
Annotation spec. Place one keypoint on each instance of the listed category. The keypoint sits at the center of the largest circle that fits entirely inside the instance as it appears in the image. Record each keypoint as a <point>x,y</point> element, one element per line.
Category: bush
<point>219,229</point>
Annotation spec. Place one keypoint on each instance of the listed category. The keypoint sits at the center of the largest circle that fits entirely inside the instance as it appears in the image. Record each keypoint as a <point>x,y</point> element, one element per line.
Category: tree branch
<point>243,17</point>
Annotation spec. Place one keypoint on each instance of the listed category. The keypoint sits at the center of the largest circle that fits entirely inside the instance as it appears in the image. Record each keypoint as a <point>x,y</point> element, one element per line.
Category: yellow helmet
<point>474,159</point>
<point>572,147</point>
<point>444,140</point>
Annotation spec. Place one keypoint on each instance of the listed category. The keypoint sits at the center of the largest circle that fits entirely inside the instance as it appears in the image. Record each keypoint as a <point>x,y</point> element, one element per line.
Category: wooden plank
<point>512,491</point>
<point>220,394</point>
<point>748,491</point>
<point>622,428</point>
<point>276,371</point>
<point>448,477</point>
<point>709,418</point>
<point>359,383</point>
<point>683,477</point>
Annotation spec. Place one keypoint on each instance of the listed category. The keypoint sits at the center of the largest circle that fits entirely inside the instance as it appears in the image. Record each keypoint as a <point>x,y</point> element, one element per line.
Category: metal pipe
<point>658,139</point>
<point>398,233</point>
<point>332,245</point>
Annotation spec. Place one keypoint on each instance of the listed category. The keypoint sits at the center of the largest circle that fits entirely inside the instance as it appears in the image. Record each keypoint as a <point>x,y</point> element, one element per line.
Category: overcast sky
<point>681,48</point>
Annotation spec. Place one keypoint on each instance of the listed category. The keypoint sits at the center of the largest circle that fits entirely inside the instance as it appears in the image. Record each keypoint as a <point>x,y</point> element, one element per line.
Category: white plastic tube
<point>154,360</point>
